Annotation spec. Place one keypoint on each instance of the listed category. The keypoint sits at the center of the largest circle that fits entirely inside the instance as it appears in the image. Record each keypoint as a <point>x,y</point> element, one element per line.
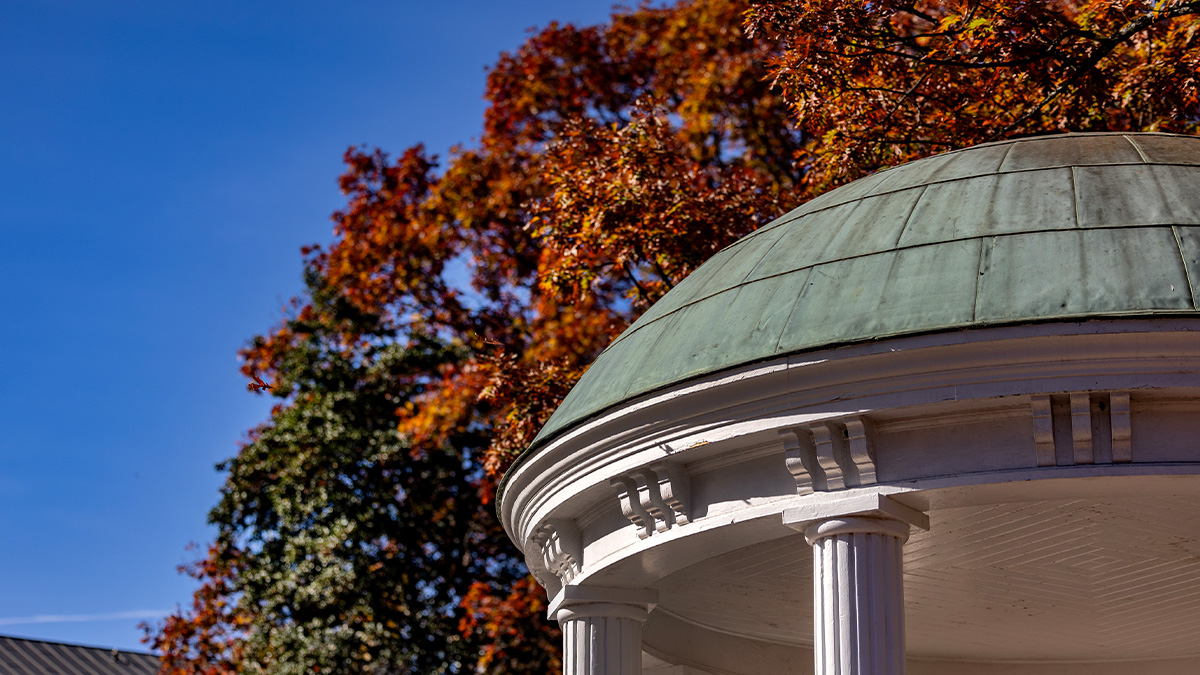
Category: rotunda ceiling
<point>1096,570</point>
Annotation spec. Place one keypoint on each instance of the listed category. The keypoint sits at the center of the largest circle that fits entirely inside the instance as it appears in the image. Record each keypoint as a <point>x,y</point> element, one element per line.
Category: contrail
<point>74,618</point>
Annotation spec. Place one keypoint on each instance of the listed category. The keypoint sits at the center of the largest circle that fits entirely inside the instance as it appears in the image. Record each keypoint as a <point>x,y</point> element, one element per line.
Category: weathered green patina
<point>1060,227</point>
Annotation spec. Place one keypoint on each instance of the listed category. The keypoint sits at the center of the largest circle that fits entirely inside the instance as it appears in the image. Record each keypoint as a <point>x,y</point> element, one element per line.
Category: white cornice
<point>909,383</point>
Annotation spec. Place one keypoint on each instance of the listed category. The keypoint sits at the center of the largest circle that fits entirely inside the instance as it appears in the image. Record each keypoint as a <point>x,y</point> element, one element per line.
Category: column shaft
<point>858,596</point>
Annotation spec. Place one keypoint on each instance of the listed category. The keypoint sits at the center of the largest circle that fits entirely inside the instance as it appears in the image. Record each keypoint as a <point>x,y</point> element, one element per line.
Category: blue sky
<point>161,163</point>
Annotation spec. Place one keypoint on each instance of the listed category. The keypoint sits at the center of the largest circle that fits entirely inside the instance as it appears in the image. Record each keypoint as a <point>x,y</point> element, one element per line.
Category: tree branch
<point>1105,47</point>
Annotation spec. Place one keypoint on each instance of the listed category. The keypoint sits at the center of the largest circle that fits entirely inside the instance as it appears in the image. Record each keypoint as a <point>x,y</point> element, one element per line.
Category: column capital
<point>581,601</point>
<point>602,628</point>
<point>868,505</point>
<point>832,527</point>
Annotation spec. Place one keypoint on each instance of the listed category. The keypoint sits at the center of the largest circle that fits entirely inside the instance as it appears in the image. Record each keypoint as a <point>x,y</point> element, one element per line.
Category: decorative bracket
<point>858,438</point>
<point>631,505</point>
<point>654,498</point>
<point>559,542</point>
<point>541,576</point>
<point>799,459</point>
<point>830,455</point>
<point>823,447</point>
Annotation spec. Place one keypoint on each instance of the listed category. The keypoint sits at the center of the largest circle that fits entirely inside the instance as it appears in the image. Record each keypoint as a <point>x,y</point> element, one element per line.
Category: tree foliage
<point>449,315</point>
<point>881,83</point>
<point>454,307</point>
<point>350,545</point>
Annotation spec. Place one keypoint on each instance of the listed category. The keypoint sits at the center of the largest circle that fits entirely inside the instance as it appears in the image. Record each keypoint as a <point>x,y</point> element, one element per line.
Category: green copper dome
<point>1060,227</point>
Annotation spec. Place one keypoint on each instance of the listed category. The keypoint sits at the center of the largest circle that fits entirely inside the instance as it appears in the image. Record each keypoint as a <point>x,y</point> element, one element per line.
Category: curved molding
<point>847,387</point>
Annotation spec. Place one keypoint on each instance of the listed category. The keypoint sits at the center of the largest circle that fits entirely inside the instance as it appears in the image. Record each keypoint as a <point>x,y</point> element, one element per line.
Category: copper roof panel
<point>1164,149</point>
<point>993,204</point>
<point>1070,150</point>
<point>1189,250</point>
<point>945,167</point>
<point>1040,275</point>
<point>1140,194</point>
<point>845,231</point>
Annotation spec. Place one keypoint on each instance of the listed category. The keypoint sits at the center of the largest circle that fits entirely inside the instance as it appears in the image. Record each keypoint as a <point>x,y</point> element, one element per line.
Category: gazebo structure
<point>946,417</point>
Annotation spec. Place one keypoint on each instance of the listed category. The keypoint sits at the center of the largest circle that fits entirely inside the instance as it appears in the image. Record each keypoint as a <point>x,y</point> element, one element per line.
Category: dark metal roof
<point>21,656</point>
<point>1050,228</point>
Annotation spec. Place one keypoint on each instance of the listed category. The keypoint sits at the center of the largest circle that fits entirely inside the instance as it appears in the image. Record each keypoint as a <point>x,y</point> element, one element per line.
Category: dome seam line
<point>908,218</point>
<point>1138,148</point>
<point>1007,152</point>
<point>788,321</point>
<point>1183,258</point>
<point>1075,196</point>
<point>983,243</point>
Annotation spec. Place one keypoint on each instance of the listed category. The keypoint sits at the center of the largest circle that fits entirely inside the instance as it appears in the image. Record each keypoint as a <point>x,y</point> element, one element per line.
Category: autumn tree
<point>359,516</point>
<point>454,307</point>
<point>345,544</point>
<point>881,83</point>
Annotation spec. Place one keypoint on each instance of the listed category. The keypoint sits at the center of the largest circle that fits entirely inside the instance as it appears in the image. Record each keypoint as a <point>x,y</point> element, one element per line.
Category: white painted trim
<point>850,382</point>
<point>872,503</point>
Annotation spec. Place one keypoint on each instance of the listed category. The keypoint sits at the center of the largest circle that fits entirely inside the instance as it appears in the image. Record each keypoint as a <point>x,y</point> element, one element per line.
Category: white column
<point>858,595</point>
<point>602,629</point>
<point>602,639</point>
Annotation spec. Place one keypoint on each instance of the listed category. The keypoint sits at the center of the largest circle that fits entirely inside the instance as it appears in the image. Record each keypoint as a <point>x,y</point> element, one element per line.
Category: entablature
<point>1014,403</point>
